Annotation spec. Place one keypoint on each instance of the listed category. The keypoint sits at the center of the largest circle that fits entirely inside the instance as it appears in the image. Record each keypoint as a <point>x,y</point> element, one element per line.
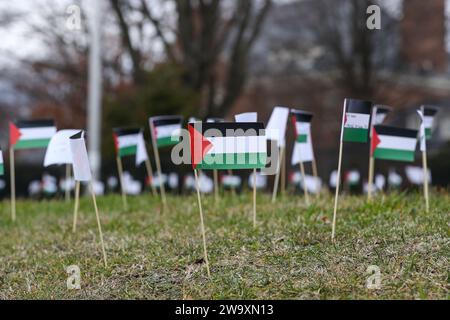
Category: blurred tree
<point>211,40</point>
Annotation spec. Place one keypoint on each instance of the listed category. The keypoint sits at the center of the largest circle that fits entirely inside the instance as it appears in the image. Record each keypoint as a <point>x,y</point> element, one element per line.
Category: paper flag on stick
<point>276,127</point>
<point>80,160</point>
<point>58,150</point>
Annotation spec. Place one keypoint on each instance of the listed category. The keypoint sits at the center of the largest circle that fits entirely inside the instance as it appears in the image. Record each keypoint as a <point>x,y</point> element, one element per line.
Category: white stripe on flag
<point>397,143</point>
<point>303,128</point>
<point>357,120</point>
<point>37,133</point>
<point>167,130</point>
<point>1,157</point>
<point>243,144</point>
<point>128,140</point>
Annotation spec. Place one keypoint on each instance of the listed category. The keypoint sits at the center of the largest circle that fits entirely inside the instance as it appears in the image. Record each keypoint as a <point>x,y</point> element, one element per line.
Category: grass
<point>289,256</point>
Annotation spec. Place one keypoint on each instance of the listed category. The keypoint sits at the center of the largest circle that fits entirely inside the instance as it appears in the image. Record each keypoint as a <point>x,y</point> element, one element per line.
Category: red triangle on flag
<point>374,142</point>
<point>14,134</point>
<point>199,146</point>
<point>116,142</point>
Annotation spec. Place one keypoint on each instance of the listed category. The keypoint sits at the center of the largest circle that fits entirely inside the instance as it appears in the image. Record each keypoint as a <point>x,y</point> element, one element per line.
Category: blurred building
<point>292,66</point>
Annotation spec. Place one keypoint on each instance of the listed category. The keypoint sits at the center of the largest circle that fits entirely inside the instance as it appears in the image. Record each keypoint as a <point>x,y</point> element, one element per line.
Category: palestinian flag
<point>31,134</point>
<point>391,143</point>
<point>428,118</point>
<point>163,128</point>
<point>228,145</point>
<point>379,113</point>
<point>2,166</point>
<point>303,150</point>
<point>302,125</point>
<point>356,122</point>
<point>130,142</point>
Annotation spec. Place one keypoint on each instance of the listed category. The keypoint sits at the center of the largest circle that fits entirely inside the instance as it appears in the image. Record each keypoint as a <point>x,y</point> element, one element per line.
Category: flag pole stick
<point>122,187</point>
<point>254,198</point>
<point>338,182</point>
<point>425,180</point>
<point>370,182</point>
<point>13,184</point>
<point>149,169</point>
<point>67,191</point>
<point>75,210</point>
<point>216,184</point>
<point>158,167</point>
<point>202,225</point>
<point>277,176</point>
<point>305,189</point>
<point>98,224</point>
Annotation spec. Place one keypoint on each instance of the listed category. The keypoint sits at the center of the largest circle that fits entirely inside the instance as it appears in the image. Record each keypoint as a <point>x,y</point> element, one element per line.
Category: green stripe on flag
<point>166,141</point>
<point>302,138</point>
<point>2,169</point>
<point>233,161</point>
<point>31,144</point>
<point>127,151</point>
<point>394,154</point>
<point>356,135</point>
<point>428,133</point>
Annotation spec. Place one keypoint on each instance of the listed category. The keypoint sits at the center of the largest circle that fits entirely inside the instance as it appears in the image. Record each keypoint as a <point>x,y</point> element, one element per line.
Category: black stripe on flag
<point>395,131</point>
<point>166,120</point>
<point>358,106</point>
<point>35,123</point>
<point>302,116</point>
<point>77,136</point>
<point>383,109</point>
<point>429,110</point>
<point>220,128</point>
<point>126,131</point>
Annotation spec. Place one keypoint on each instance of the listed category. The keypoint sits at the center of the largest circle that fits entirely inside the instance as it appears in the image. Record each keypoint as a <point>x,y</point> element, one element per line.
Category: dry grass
<point>289,256</point>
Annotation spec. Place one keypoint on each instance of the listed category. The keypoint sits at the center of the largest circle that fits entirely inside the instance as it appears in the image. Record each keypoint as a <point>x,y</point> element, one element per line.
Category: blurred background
<point>216,58</point>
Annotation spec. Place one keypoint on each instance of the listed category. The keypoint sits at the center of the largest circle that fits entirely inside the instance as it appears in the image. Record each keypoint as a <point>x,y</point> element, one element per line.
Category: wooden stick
<point>338,182</point>
<point>305,189</point>
<point>158,167</point>
<point>370,181</point>
<point>202,225</point>
<point>425,180</point>
<point>233,189</point>
<point>122,186</point>
<point>13,184</point>
<point>283,175</point>
<point>149,169</point>
<point>67,191</point>
<point>98,224</point>
<point>75,210</point>
<point>216,184</point>
<point>254,198</point>
<point>277,176</point>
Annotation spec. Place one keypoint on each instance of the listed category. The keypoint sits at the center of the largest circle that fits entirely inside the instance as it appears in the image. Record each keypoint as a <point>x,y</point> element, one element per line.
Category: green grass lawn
<point>289,255</point>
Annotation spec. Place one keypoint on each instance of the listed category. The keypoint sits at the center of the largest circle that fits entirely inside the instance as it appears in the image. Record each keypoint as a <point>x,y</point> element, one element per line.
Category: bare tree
<point>213,39</point>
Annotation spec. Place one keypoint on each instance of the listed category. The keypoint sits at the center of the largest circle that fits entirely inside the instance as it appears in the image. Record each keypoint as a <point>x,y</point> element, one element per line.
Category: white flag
<point>80,160</point>
<point>246,117</point>
<point>58,149</point>
<point>422,136</point>
<point>141,151</point>
<point>276,127</point>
